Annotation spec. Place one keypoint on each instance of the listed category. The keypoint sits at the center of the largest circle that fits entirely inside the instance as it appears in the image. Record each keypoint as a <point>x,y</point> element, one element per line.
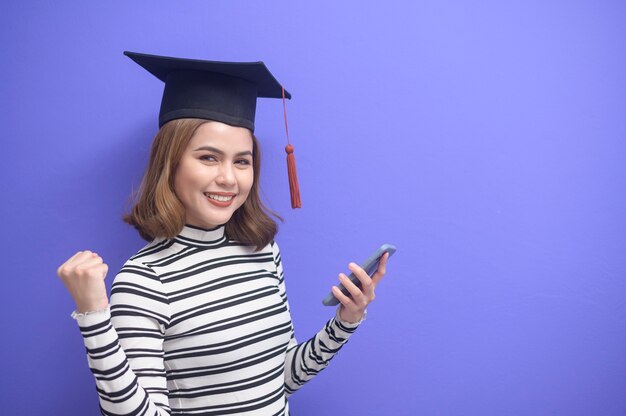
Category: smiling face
<point>215,174</point>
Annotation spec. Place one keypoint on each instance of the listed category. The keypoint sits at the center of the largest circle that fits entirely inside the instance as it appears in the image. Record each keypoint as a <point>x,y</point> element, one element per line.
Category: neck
<point>193,234</point>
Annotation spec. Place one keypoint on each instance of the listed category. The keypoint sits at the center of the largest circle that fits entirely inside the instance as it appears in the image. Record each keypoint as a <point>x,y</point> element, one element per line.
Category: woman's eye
<point>243,162</point>
<point>208,158</point>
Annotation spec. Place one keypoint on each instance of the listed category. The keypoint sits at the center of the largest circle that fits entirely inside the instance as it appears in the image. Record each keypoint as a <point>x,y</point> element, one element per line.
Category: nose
<point>226,175</point>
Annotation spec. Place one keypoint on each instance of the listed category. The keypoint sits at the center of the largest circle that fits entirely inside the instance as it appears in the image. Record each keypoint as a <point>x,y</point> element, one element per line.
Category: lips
<point>220,199</point>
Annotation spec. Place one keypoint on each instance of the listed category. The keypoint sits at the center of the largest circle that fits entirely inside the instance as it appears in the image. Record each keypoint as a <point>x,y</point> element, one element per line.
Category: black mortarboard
<point>219,91</point>
<point>212,90</point>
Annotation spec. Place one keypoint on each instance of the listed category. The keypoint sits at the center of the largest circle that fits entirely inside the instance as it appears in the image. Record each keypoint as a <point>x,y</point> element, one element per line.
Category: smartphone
<point>370,265</point>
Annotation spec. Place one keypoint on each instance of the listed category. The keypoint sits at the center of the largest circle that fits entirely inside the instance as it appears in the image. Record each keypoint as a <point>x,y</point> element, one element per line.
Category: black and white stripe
<point>200,325</point>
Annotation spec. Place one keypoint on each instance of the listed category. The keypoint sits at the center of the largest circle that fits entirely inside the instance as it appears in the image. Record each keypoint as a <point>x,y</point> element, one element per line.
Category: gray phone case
<point>370,265</point>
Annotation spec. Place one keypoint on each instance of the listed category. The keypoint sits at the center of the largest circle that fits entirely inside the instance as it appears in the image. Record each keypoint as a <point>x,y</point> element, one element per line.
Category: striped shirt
<point>200,325</point>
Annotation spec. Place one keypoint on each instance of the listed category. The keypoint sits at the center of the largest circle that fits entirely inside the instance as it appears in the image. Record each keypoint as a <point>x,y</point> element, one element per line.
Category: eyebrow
<point>220,152</point>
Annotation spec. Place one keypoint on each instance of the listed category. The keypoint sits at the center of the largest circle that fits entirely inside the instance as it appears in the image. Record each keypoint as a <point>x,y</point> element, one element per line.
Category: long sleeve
<point>125,345</point>
<point>305,360</point>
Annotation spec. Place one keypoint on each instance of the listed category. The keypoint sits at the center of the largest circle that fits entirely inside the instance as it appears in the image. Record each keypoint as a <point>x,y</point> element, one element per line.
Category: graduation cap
<point>219,91</point>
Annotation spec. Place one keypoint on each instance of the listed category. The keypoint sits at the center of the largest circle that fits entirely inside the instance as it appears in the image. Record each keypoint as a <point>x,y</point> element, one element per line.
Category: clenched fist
<point>83,275</point>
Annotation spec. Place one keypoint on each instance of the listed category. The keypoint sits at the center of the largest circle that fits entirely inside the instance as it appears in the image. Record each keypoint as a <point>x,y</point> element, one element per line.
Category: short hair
<point>158,212</point>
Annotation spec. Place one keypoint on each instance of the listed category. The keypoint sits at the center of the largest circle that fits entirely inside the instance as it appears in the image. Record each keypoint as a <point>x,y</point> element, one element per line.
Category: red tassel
<point>294,188</point>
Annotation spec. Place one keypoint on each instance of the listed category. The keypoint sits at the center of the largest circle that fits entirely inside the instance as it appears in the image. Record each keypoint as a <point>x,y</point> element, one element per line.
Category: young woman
<point>198,321</point>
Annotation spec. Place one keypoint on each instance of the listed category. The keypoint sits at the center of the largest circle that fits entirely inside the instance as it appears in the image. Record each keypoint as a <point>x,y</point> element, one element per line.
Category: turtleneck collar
<point>193,234</point>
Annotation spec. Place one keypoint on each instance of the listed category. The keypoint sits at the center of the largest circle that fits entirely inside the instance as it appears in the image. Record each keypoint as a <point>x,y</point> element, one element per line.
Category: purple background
<point>485,139</point>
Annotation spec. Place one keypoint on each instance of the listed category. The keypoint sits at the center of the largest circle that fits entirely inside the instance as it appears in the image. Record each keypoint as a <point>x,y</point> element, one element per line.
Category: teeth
<point>219,197</point>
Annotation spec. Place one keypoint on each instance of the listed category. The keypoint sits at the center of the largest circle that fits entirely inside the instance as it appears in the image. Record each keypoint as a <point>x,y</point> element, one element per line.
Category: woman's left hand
<point>352,308</point>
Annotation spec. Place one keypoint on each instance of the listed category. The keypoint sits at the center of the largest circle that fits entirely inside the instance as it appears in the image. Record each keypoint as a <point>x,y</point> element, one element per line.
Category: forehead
<point>222,136</point>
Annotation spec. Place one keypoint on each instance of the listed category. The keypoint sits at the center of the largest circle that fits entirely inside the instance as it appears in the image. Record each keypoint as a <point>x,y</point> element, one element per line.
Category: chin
<point>222,219</point>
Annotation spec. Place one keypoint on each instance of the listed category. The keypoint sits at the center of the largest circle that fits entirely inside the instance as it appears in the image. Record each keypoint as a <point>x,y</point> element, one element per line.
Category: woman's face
<point>215,174</point>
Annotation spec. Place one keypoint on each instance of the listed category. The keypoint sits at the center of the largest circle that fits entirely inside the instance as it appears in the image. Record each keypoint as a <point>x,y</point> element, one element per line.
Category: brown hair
<point>157,211</point>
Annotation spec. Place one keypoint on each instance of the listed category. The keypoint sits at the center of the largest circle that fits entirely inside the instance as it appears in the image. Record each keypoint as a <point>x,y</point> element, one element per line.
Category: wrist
<point>93,314</point>
<point>90,307</point>
<point>351,317</point>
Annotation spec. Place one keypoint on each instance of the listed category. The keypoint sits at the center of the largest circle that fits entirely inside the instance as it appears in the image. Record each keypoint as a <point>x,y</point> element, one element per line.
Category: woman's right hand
<point>83,275</point>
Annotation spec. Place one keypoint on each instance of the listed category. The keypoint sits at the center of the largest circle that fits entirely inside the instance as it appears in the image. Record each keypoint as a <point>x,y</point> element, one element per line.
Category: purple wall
<point>487,141</point>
